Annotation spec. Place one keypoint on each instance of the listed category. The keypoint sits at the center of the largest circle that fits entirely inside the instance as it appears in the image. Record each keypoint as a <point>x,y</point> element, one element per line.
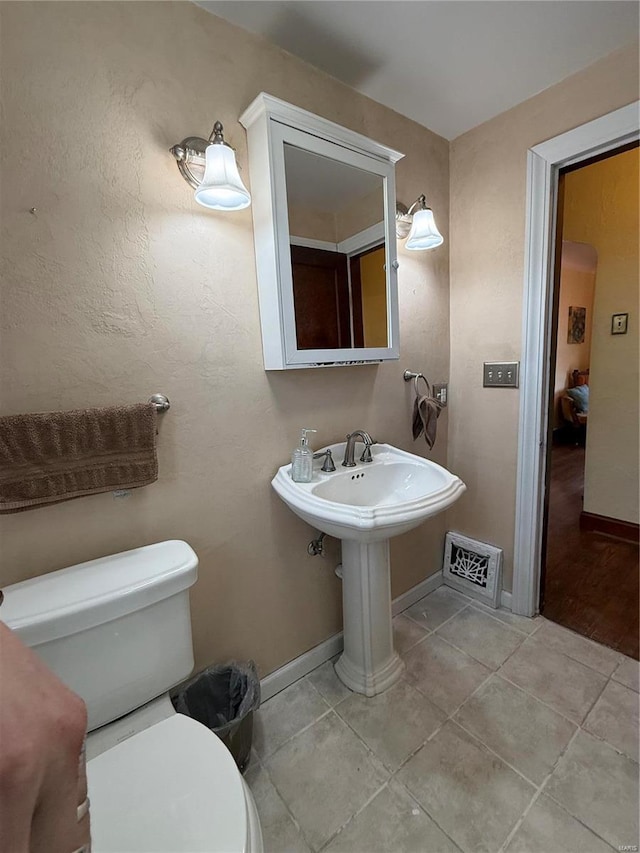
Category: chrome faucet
<point>348,460</point>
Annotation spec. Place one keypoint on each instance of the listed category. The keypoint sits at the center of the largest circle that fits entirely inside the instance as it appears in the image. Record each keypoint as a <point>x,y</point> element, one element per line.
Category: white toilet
<point>117,631</point>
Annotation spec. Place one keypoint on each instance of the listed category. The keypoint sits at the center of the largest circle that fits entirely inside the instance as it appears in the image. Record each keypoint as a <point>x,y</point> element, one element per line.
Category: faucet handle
<point>366,454</point>
<point>328,465</point>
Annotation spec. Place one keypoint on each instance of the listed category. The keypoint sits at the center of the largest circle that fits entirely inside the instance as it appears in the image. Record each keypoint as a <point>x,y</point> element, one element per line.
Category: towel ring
<point>426,382</point>
<point>161,402</point>
<point>408,375</point>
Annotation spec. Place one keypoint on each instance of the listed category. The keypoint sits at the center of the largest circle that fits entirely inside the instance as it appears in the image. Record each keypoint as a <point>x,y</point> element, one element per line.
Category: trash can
<point>224,698</point>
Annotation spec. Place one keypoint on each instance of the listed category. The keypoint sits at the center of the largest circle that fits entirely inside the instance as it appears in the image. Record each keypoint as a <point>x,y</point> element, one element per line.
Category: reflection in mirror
<point>336,234</point>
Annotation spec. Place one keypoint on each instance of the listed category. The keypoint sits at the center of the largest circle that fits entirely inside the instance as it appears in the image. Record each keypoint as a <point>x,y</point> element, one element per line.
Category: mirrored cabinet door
<point>324,220</point>
<point>337,246</point>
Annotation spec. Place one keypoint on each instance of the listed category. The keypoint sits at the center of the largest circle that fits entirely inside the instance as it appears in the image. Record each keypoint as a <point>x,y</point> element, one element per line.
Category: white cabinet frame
<point>270,123</point>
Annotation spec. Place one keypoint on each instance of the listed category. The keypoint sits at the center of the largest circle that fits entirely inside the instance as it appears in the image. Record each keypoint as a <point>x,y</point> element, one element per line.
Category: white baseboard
<point>305,663</point>
<point>505,599</point>
<point>299,667</point>
<point>416,593</point>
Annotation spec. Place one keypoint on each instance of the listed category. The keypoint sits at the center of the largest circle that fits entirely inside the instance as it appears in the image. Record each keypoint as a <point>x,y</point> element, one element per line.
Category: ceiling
<point>448,64</point>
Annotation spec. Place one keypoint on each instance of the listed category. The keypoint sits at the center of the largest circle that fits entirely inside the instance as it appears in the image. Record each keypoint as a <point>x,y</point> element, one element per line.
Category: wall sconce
<point>209,165</point>
<point>419,226</point>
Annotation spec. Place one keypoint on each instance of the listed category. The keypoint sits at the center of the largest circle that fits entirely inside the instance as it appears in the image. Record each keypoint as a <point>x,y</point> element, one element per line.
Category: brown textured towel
<point>48,457</point>
<point>426,411</point>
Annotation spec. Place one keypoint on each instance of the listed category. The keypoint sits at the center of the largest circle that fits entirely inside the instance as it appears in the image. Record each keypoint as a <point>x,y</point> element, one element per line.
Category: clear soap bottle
<point>302,460</point>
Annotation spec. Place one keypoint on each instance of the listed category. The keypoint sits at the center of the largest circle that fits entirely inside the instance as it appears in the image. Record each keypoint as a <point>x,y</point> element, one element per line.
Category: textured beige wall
<point>577,283</point>
<point>601,208</point>
<point>487,238</point>
<point>121,285</point>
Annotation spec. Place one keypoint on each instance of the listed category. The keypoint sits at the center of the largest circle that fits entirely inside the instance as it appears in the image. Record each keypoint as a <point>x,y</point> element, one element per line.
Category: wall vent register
<point>473,567</point>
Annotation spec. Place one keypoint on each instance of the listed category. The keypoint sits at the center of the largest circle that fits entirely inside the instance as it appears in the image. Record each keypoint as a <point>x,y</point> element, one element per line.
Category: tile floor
<point>504,734</point>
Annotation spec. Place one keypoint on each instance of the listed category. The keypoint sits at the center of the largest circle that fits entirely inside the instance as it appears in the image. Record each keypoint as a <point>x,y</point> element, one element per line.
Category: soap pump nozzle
<point>304,441</point>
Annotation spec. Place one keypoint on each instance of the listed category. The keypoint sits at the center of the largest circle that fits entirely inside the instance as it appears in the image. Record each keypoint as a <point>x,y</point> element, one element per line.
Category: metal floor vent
<point>473,567</point>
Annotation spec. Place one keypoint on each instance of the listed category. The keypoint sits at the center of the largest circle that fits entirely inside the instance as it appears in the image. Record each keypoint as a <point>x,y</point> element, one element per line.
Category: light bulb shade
<point>424,233</point>
<point>222,187</point>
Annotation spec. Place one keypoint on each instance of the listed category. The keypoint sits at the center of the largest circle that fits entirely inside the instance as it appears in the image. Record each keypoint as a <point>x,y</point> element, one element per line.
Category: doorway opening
<point>589,568</point>
<point>606,133</point>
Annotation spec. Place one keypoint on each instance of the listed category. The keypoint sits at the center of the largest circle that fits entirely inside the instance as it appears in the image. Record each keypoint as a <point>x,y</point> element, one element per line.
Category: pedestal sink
<point>365,506</point>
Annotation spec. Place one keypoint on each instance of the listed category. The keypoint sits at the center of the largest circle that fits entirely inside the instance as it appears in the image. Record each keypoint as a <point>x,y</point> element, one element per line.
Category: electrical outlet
<point>441,392</point>
<point>501,374</point>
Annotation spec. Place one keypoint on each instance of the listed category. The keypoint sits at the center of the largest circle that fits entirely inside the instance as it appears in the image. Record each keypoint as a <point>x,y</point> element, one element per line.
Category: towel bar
<point>161,402</point>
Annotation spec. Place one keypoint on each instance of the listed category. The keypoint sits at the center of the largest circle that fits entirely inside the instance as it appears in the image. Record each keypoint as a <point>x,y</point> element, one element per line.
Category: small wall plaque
<point>619,324</point>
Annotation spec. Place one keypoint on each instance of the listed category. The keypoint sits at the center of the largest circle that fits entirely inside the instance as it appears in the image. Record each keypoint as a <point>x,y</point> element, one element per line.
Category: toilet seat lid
<point>172,788</point>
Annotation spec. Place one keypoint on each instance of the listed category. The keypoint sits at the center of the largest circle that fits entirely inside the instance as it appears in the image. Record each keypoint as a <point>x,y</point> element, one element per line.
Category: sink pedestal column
<point>369,663</point>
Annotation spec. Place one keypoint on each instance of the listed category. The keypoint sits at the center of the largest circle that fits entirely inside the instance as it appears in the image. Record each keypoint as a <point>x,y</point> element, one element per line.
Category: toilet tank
<point>116,630</point>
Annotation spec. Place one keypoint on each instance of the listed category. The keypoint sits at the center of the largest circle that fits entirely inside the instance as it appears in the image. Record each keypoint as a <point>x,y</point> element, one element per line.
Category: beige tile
<point>548,828</point>
<point>394,723</point>
<point>279,832</point>
<point>443,674</point>
<point>285,715</point>
<point>484,638</point>
<point>599,786</point>
<point>392,823</point>
<point>253,772</point>
<point>472,795</point>
<point>628,673</point>
<point>406,633</point>
<point>588,652</point>
<point>614,718</point>
<point>328,685</point>
<point>520,623</point>
<point>568,686</point>
<point>524,732</point>
<point>254,759</point>
<point>435,608</point>
<point>325,774</point>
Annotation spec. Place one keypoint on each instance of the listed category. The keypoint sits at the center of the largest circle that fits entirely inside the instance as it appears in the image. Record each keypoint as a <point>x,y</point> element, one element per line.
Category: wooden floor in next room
<point>591,580</point>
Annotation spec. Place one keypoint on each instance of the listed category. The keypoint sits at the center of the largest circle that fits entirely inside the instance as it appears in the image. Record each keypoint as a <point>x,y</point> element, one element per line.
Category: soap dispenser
<point>302,460</point>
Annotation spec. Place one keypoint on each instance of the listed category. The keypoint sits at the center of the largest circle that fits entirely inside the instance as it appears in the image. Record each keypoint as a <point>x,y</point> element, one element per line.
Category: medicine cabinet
<point>324,230</point>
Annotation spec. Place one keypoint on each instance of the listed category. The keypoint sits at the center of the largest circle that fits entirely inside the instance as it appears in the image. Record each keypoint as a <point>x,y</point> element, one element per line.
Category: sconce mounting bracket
<point>403,220</point>
<point>190,156</point>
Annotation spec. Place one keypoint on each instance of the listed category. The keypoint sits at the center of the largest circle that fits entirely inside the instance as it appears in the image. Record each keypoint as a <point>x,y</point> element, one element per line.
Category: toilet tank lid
<point>80,597</point>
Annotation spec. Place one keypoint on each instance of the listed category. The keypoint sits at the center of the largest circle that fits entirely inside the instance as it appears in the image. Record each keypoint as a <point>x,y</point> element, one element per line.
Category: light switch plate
<point>441,392</point>
<point>501,374</point>
<point>619,324</point>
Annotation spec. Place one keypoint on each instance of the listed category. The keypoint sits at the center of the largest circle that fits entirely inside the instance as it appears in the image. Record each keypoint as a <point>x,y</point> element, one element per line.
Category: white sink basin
<point>373,501</point>
<point>365,506</point>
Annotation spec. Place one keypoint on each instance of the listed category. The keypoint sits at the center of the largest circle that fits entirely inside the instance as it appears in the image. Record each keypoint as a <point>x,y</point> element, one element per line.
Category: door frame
<point>544,162</point>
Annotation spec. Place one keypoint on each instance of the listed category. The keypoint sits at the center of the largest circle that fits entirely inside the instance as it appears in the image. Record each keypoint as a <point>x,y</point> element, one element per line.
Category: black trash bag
<point>223,698</point>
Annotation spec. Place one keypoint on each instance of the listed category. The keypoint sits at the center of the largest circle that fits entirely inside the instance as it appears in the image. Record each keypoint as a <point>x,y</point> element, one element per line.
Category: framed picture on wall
<point>577,322</point>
